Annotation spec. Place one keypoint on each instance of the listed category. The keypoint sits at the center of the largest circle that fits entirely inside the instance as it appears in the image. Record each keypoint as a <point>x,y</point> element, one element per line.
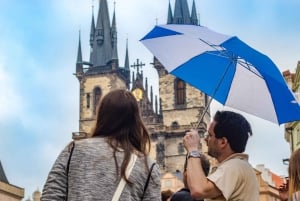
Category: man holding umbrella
<point>234,178</point>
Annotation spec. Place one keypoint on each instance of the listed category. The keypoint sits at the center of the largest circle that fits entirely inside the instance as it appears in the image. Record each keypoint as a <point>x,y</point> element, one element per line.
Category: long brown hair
<point>294,173</point>
<point>119,120</point>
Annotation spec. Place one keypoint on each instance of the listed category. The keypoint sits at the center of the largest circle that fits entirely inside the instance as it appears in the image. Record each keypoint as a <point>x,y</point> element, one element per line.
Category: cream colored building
<point>9,192</point>
<point>292,129</point>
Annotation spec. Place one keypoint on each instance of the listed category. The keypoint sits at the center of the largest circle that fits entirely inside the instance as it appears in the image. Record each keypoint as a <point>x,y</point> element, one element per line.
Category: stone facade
<point>9,192</point>
<point>88,102</point>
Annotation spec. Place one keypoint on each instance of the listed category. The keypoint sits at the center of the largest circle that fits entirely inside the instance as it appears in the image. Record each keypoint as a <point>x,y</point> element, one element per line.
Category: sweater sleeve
<point>152,192</point>
<point>55,187</point>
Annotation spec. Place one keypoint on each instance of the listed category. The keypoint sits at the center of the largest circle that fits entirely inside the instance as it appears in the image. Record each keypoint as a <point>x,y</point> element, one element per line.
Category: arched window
<point>179,92</point>
<point>97,96</point>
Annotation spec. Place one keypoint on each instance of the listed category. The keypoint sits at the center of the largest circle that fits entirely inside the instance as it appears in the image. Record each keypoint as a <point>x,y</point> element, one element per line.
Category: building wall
<point>171,182</point>
<point>10,193</point>
<point>292,129</point>
<point>185,115</point>
<point>107,83</point>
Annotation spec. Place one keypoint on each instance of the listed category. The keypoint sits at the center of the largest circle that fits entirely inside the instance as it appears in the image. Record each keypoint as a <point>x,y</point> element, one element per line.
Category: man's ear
<point>224,141</point>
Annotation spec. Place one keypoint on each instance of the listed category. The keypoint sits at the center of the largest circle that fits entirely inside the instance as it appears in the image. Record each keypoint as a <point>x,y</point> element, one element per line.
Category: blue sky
<point>39,103</point>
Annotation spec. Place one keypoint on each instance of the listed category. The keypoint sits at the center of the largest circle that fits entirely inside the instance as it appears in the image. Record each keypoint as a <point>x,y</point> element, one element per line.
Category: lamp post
<point>289,130</point>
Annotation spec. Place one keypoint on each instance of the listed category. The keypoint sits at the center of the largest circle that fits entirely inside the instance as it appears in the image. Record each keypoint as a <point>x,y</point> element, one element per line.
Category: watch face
<point>194,154</point>
<point>138,94</point>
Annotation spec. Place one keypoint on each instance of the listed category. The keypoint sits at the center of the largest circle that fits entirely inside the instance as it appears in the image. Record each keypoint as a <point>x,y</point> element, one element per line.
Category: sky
<point>39,100</point>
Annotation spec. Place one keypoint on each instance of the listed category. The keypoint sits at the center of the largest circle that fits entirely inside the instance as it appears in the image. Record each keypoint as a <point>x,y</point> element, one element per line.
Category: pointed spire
<point>102,46</point>
<point>114,35</point>
<point>170,16</point>
<point>133,78</point>
<point>79,65</point>
<point>2,175</point>
<point>181,12</point>
<point>92,33</point>
<point>151,96</point>
<point>194,19</point>
<point>146,86</point>
<point>126,65</point>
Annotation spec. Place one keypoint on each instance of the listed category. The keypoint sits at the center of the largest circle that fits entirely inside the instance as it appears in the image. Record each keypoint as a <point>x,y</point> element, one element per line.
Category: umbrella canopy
<point>225,68</point>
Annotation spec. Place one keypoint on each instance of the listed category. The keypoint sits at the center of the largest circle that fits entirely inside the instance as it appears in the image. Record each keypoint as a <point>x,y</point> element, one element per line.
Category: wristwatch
<point>194,154</point>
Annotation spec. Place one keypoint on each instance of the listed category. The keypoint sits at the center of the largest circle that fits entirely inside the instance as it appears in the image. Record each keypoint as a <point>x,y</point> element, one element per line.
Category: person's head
<point>118,118</point>
<point>166,195</point>
<point>228,128</point>
<point>205,167</point>
<point>294,172</point>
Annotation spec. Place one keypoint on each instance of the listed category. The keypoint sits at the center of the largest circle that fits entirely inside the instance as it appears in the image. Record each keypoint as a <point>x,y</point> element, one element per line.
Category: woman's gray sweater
<point>92,175</point>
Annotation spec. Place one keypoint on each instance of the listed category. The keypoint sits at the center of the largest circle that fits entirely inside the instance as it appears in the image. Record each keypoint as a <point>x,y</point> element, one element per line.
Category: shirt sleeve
<point>55,187</point>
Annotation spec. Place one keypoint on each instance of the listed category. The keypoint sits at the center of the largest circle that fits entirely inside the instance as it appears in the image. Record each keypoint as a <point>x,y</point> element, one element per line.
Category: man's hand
<point>283,192</point>
<point>191,140</point>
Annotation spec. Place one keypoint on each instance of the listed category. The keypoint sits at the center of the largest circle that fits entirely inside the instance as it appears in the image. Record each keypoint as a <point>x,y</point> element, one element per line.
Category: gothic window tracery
<point>180,90</point>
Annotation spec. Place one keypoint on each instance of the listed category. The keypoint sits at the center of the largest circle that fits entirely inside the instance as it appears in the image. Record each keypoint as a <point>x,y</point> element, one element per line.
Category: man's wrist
<point>194,154</point>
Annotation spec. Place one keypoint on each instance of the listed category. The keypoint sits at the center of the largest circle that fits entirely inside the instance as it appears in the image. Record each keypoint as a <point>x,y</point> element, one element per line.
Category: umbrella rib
<point>248,66</point>
<point>214,93</point>
<point>224,53</point>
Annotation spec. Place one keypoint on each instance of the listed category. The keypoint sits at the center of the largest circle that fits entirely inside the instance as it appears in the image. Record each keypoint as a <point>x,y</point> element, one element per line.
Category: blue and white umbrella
<point>225,68</point>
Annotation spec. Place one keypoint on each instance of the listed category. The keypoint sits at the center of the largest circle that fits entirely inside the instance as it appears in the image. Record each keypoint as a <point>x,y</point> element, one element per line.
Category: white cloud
<point>10,101</point>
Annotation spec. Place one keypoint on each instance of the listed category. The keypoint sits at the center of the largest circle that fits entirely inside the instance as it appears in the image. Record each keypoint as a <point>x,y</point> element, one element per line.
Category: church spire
<point>92,33</point>
<point>102,45</point>
<point>194,19</point>
<point>126,65</point>
<point>181,12</point>
<point>2,175</point>
<point>114,35</point>
<point>170,16</point>
<point>79,65</point>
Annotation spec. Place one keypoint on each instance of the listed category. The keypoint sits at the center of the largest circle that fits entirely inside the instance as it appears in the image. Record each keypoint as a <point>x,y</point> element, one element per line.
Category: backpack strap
<point>122,183</point>
<point>147,181</point>
<point>71,148</point>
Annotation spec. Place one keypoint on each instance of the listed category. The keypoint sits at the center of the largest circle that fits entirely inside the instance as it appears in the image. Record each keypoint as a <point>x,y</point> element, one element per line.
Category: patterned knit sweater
<point>92,175</point>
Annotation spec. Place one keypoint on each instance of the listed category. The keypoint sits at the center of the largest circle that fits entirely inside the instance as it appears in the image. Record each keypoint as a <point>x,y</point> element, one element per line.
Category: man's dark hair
<point>234,127</point>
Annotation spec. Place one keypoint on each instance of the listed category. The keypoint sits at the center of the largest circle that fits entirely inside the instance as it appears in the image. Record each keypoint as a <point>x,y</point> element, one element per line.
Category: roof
<point>278,180</point>
<point>2,175</point>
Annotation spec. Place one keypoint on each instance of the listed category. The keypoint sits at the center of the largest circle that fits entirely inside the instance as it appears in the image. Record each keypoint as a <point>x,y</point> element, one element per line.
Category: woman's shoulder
<point>296,196</point>
<point>92,144</point>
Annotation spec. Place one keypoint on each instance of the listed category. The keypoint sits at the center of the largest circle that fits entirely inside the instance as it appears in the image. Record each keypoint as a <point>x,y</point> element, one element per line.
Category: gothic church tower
<point>102,72</point>
<point>181,104</point>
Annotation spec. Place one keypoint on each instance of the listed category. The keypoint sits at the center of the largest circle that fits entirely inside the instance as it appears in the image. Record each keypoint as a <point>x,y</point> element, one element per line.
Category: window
<point>180,148</point>
<point>174,125</point>
<point>88,100</point>
<point>168,183</point>
<point>179,92</point>
<point>97,96</point>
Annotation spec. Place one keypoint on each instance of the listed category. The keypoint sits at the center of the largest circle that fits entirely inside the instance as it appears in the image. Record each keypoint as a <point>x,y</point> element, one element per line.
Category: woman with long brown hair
<point>111,165</point>
<point>290,191</point>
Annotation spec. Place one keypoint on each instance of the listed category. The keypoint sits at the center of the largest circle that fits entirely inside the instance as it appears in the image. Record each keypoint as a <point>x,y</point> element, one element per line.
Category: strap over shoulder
<point>148,179</point>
